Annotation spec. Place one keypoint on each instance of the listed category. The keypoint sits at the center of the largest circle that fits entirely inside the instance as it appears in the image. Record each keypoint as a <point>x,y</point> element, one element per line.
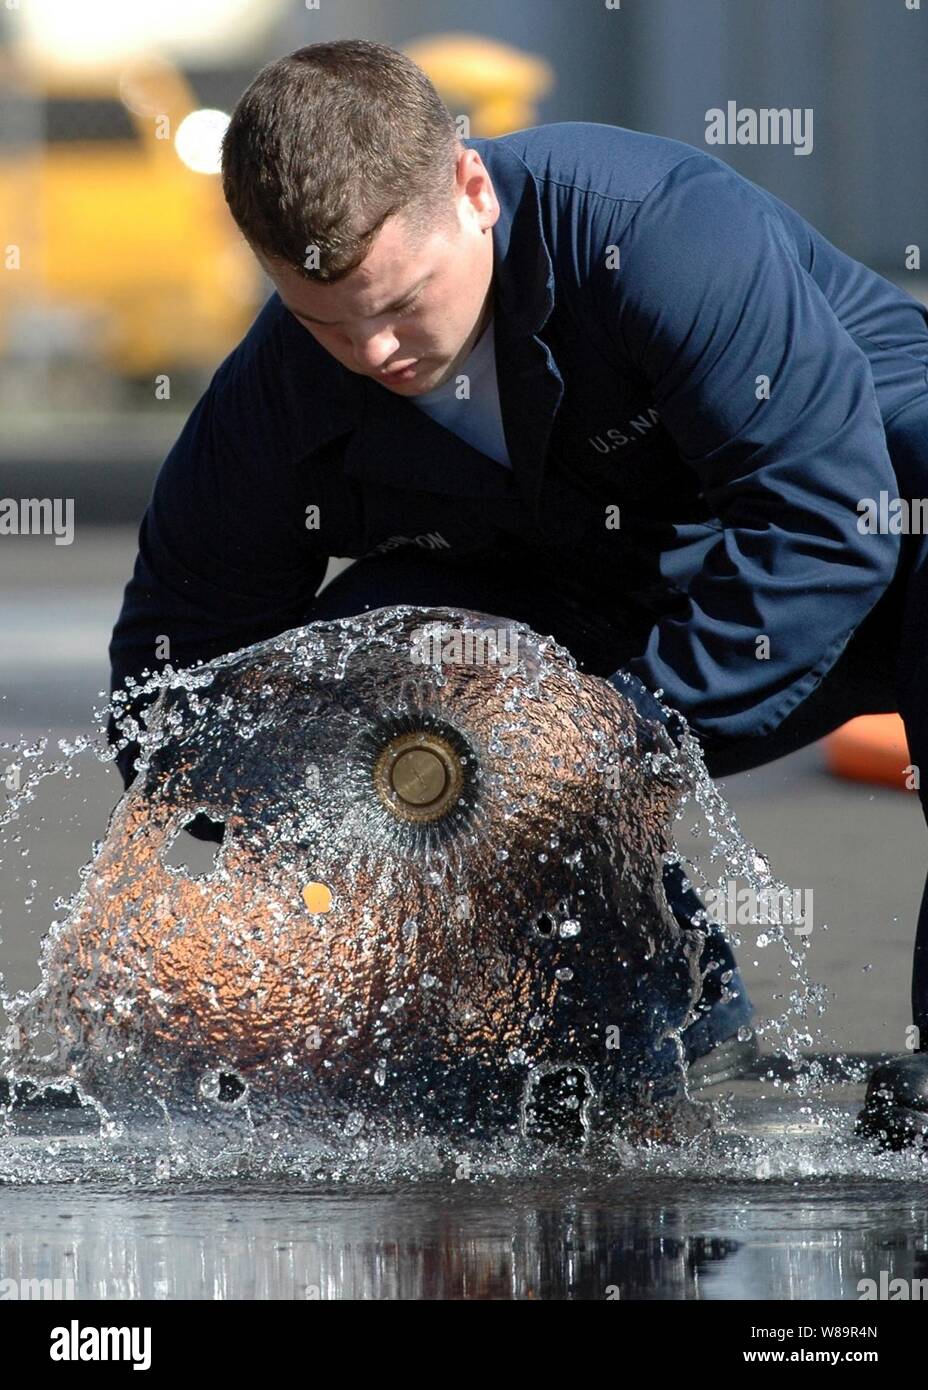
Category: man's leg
<point>913,707</point>
<point>910,460</point>
<point>896,1108</point>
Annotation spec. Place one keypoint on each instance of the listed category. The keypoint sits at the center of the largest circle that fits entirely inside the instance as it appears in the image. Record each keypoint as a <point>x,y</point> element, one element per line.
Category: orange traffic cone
<point>872,748</point>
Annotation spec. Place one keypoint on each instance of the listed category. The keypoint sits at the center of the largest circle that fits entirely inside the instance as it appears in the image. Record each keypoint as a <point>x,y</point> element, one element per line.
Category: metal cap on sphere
<point>418,776</point>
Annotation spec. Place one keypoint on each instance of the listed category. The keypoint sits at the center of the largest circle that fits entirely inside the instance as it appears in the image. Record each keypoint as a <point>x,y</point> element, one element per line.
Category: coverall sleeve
<point>224,556</point>
<point>710,299</point>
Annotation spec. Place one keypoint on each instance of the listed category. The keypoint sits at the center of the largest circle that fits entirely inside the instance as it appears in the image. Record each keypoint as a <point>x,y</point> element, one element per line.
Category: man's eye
<point>410,304</point>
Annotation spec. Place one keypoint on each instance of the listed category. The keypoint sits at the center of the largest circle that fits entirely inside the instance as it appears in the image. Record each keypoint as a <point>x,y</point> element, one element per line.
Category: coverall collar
<point>522,271</point>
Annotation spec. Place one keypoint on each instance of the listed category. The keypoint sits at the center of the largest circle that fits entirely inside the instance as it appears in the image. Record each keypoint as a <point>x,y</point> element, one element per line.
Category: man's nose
<point>372,350</point>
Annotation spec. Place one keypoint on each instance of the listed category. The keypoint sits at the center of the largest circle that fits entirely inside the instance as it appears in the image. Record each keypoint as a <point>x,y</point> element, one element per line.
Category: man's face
<point>409,315</point>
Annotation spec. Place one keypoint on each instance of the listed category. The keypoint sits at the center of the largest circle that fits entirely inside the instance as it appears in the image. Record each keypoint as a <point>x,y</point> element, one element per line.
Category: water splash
<point>436,895</point>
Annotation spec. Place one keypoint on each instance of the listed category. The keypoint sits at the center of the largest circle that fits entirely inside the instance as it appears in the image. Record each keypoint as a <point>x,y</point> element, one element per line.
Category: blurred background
<point>125,283</point>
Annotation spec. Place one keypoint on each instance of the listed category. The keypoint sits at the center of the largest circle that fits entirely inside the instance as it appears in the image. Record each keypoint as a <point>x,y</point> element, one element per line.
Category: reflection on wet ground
<point>651,1240</point>
<point>796,1208</point>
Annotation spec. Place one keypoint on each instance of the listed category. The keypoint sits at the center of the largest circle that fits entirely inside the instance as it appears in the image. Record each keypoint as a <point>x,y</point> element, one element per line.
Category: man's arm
<point>224,557</point>
<point>709,298</point>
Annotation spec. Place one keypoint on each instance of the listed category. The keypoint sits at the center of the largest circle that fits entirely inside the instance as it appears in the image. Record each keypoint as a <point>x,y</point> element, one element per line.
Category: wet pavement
<point>780,1204</point>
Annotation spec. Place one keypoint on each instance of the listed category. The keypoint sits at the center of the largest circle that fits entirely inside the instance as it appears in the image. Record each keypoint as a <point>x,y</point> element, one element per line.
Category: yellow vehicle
<point>113,246</point>
<point>499,87</point>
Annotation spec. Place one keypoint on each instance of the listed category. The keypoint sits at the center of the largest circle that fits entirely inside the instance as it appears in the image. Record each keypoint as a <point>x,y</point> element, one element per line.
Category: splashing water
<point>436,898</point>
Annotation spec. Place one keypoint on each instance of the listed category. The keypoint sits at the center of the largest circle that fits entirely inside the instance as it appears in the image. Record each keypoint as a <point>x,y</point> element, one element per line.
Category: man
<point>588,378</point>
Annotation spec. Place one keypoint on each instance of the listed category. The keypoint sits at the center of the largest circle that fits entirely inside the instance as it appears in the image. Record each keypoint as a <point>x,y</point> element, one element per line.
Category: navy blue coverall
<point>671,340</point>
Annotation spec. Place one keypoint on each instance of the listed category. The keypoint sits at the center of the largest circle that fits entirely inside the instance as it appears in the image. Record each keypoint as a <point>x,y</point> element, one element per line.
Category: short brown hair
<point>326,144</point>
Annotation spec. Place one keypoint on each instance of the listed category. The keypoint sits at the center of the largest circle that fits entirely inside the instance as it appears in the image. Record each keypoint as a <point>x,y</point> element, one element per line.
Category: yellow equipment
<point>498,87</point>
<point>113,247</point>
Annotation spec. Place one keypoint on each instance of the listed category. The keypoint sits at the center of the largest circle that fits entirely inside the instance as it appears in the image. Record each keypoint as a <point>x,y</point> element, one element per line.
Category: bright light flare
<point>198,140</point>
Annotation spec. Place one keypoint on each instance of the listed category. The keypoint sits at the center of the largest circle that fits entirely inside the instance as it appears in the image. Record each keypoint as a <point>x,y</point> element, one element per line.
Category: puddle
<point>779,1202</point>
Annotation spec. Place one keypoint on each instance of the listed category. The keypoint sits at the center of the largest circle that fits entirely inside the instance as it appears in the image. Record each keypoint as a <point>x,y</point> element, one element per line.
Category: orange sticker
<point>317,897</point>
